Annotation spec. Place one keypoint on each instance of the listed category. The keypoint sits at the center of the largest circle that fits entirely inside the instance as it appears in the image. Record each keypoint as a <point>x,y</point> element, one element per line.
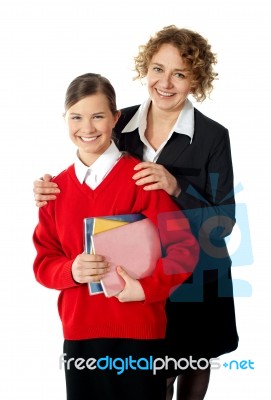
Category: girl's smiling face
<point>90,123</point>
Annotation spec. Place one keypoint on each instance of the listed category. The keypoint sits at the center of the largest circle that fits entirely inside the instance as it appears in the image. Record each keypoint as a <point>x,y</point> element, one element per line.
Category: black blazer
<point>204,170</point>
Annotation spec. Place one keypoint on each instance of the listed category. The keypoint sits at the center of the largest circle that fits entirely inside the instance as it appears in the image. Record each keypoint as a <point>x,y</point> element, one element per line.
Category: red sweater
<point>58,239</point>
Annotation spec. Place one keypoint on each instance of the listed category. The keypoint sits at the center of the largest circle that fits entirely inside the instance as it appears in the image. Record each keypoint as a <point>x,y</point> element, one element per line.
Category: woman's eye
<point>157,69</point>
<point>179,75</point>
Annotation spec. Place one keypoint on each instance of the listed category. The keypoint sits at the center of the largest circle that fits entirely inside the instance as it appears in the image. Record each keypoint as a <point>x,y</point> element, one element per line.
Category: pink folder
<point>135,246</point>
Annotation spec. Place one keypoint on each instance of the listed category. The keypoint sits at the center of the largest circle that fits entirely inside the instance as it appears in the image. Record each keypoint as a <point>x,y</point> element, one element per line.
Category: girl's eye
<point>98,117</point>
<point>76,117</point>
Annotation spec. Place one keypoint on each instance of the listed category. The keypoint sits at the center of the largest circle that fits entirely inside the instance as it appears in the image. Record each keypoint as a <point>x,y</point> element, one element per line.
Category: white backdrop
<point>44,44</point>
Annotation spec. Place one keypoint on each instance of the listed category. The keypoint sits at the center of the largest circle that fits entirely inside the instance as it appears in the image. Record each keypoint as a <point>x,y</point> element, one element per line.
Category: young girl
<point>106,337</point>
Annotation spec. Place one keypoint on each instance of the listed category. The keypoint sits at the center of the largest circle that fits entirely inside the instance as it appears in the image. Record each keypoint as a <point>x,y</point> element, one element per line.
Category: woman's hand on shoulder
<point>44,190</point>
<point>155,176</point>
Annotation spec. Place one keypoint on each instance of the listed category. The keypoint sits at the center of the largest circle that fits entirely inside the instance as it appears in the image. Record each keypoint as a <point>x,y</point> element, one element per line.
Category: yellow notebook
<point>103,224</point>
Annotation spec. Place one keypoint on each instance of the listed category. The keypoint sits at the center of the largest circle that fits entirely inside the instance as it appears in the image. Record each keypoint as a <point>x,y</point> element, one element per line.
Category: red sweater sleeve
<point>52,268</point>
<point>180,248</point>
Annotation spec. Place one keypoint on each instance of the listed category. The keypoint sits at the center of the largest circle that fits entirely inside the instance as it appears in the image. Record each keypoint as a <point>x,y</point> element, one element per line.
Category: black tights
<point>191,385</point>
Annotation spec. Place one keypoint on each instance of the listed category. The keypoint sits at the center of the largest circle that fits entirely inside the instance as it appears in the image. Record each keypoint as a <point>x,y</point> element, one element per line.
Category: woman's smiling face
<point>169,79</point>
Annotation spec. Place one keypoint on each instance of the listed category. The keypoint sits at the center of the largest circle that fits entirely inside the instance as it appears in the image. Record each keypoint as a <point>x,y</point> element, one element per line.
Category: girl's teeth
<point>88,139</point>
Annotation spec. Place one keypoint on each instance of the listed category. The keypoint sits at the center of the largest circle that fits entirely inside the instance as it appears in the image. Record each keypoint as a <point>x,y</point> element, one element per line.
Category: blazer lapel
<point>133,143</point>
<point>173,149</point>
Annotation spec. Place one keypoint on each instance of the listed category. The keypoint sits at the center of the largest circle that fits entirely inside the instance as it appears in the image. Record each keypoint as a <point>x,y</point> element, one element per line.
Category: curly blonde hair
<point>193,48</point>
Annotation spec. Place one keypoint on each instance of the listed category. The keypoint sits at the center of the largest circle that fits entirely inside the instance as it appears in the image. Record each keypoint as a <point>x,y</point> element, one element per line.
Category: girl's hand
<point>44,190</point>
<point>133,290</point>
<point>155,176</point>
<point>89,268</point>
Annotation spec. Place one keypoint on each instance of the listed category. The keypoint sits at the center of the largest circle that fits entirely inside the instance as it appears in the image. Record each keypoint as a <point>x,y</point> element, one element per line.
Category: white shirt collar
<point>184,124</point>
<point>101,167</point>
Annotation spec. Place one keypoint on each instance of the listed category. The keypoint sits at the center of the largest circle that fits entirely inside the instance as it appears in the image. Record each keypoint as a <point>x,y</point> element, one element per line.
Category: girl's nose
<point>88,127</point>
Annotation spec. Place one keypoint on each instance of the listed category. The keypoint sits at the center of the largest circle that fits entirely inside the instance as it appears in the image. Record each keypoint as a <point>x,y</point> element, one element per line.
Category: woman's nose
<point>166,81</point>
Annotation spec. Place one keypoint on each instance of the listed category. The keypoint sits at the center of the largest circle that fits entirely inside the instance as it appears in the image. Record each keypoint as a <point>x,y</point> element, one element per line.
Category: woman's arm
<point>214,201</point>
<point>45,190</point>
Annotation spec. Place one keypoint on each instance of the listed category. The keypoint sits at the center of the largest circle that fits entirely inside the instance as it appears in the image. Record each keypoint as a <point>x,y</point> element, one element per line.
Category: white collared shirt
<point>95,174</point>
<point>184,126</point>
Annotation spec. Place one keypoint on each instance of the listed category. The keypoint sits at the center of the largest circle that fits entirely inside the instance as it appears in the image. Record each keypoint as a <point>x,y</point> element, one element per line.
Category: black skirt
<point>122,369</point>
<point>202,326</point>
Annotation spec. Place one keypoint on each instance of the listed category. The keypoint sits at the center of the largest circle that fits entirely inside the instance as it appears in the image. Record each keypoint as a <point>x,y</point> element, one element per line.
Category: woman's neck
<point>159,125</point>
